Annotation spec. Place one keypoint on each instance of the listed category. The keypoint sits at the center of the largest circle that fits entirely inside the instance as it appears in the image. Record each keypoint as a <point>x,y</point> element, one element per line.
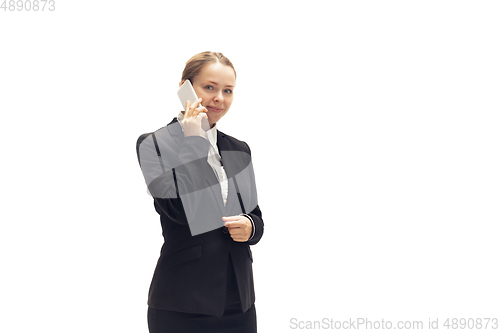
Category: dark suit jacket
<point>190,275</point>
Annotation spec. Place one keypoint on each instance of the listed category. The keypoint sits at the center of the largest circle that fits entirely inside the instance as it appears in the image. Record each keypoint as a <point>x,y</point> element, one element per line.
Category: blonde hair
<point>196,63</point>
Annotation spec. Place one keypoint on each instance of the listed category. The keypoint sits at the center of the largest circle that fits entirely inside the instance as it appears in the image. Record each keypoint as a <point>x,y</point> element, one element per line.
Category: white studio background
<point>374,128</point>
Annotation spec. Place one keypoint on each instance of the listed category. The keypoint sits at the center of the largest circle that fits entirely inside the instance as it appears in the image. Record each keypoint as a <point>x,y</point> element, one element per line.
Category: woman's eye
<point>209,87</point>
<point>228,91</point>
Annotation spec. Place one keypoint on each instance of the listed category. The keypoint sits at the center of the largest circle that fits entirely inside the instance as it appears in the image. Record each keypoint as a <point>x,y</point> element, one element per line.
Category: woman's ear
<point>180,84</point>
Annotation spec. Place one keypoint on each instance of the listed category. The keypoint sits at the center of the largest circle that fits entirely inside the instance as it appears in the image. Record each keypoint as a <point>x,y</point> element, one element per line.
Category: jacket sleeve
<point>169,173</point>
<point>255,214</point>
<point>258,224</point>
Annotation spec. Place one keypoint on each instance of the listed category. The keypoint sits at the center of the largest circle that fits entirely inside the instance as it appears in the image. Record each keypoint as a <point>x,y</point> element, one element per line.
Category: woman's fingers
<point>189,110</point>
<point>239,227</point>
<point>197,107</point>
<point>235,221</point>
<point>232,218</point>
<point>195,120</point>
<point>200,111</point>
<point>192,110</point>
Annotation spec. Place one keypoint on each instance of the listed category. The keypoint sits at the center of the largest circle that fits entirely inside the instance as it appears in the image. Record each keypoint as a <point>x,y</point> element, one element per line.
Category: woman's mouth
<point>214,109</point>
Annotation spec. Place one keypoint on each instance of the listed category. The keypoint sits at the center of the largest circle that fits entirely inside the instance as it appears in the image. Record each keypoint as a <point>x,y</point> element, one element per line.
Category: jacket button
<point>224,230</point>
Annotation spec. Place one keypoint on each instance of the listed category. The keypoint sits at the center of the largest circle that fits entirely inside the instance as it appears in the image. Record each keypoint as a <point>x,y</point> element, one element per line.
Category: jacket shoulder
<point>231,143</point>
<point>141,139</point>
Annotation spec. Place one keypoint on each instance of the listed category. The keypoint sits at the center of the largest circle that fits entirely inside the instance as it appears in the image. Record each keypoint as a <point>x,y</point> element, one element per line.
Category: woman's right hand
<point>195,119</point>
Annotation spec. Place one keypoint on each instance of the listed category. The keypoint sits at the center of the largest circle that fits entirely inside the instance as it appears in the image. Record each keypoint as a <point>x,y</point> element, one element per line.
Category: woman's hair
<point>196,63</point>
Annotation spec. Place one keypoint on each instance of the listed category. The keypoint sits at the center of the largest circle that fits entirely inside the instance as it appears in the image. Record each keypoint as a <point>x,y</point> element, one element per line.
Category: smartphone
<point>186,93</point>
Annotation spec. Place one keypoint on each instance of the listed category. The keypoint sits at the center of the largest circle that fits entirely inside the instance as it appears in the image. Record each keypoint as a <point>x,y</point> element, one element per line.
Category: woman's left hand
<point>239,227</point>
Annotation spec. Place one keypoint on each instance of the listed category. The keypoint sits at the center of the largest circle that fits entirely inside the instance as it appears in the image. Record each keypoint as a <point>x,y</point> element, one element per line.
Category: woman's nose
<point>219,97</point>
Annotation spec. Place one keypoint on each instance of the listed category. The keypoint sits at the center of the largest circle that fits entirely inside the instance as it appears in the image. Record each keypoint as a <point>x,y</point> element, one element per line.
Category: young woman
<point>203,187</point>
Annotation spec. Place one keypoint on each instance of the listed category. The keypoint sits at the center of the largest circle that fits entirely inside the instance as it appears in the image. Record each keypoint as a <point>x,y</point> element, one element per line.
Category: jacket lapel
<point>232,204</point>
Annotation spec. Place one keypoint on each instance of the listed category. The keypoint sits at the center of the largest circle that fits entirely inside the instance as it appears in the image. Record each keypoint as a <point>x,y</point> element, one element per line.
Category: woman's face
<point>214,84</point>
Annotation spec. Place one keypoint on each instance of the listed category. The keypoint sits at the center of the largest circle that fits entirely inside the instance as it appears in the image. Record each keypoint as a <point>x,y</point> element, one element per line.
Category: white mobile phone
<point>186,93</point>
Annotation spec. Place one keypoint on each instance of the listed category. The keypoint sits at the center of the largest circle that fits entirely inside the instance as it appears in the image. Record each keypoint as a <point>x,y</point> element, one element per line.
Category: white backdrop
<point>374,129</point>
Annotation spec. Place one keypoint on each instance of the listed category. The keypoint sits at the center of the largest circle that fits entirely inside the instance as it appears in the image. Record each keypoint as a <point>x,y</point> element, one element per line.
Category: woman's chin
<point>212,120</point>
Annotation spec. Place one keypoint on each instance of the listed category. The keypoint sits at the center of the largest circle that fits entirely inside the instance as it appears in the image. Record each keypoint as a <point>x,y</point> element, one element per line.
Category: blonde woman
<point>203,186</point>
